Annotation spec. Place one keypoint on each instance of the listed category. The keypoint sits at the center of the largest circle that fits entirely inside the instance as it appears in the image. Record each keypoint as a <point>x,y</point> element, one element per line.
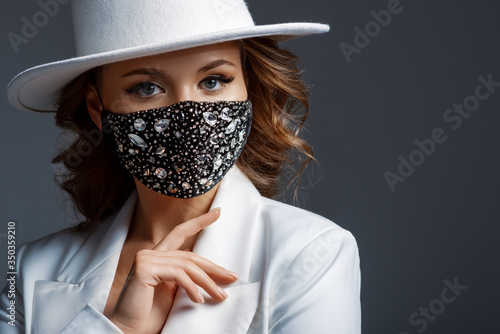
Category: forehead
<point>181,59</point>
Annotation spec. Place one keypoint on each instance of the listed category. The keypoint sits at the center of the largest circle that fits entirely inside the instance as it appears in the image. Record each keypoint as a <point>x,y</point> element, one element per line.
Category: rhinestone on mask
<point>231,127</point>
<point>161,173</point>
<point>217,163</point>
<point>171,188</point>
<point>162,125</point>
<point>210,118</point>
<point>139,124</point>
<point>224,115</point>
<point>136,140</point>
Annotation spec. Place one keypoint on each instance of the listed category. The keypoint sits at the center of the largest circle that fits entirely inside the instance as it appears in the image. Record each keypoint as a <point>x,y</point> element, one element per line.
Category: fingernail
<point>216,209</point>
<point>232,274</point>
<point>200,298</point>
<point>222,292</point>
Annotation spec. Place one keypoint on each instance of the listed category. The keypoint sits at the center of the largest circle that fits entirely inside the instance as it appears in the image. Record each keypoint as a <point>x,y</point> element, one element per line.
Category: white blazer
<point>299,273</point>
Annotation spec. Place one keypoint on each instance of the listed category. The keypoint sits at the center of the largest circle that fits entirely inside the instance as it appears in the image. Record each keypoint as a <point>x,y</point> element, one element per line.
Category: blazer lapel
<point>233,242</point>
<point>87,277</point>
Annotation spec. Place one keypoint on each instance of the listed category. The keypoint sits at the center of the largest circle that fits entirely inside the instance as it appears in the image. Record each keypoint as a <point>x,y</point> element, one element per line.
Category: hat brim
<point>37,88</point>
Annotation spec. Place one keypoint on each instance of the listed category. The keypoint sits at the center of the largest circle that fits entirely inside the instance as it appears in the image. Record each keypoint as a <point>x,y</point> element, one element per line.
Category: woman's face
<point>205,73</point>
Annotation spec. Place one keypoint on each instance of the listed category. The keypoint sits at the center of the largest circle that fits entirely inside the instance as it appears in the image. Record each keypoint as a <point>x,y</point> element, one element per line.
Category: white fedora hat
<point>107,31</point>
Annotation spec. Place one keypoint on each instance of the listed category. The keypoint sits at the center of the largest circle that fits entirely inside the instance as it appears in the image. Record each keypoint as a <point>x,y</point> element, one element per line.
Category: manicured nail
<point>232,274</point>
<point>200,298</point>
<point>222,292</point>
<point>216,209</point>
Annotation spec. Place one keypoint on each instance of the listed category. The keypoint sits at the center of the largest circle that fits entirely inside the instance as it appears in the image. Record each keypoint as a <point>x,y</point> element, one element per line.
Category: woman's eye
<point>146,89</point>
<point>211,84</point>
<point>215,83</point>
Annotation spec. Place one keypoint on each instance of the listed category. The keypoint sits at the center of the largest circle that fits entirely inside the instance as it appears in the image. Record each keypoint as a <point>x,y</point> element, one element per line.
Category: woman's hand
<point>147,295</point>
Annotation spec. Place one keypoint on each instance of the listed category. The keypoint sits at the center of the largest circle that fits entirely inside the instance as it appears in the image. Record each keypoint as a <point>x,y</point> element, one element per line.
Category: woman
<point>193,111</point>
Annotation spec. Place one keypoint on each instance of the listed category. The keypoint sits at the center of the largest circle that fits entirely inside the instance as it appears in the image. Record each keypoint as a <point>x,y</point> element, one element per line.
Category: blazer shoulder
<point>62,240</point>
<point>304,244</point>
<point>50,253</point>
<point>282,215</point>
<point>292,228</point>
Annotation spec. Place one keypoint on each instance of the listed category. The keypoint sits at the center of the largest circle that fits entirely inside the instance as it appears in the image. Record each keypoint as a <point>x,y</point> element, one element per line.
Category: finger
<point>163,269</point>
<point>185,282</point>
<point>213,270</point>
<point>176,238</point>
<point>153,271</point>
<point>200,278</point>
<point>188,276</point>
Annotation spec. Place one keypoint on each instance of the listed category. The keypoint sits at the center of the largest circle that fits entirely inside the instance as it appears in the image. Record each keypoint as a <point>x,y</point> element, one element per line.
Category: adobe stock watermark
<point>307,267</point>
<point>421,318</point>
<point>452,117</point>
<point>94,137</point>
<point>30,27</point>
<point>223,6</point>
<point>11,272</point>
<point>363,37</point>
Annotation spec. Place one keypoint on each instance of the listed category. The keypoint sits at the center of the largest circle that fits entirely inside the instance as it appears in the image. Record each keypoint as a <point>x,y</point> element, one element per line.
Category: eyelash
<point>136,88</point>
<point>219,77</point>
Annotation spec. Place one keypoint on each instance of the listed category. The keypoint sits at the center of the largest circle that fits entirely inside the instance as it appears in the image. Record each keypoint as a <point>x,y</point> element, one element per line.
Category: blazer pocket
<point>232,315</point>
<point>56,303</point>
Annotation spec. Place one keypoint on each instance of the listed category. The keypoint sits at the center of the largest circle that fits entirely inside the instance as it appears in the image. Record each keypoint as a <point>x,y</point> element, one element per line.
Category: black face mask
<point>182,150</point>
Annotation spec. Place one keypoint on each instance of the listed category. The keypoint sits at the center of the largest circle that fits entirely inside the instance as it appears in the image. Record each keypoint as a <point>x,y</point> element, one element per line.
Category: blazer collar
<point>231,242</point>
<point>87,277</point>
<point>104,243</point>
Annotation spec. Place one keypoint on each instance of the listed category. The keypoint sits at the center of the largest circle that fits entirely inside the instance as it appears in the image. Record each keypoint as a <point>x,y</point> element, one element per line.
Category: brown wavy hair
<point>98,185</point>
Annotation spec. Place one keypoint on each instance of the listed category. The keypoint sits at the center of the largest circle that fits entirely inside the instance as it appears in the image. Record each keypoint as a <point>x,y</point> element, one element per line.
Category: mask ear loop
<point>106,128</point>
<point>102,104</point>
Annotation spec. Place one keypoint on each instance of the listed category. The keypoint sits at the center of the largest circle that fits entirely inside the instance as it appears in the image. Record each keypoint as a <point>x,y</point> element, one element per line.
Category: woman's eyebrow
<point>147,71</point>
<point>159,73</point>
<point>214,64</point>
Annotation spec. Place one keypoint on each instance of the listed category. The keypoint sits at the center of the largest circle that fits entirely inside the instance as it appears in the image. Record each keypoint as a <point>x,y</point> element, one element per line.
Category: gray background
<point>440,224</point>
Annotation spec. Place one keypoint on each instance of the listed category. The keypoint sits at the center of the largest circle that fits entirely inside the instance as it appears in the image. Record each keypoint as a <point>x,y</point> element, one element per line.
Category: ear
<point>94,105</point>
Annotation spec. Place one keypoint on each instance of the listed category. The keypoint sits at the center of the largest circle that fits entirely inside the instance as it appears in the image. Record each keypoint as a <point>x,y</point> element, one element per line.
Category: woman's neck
<point>155,215</point>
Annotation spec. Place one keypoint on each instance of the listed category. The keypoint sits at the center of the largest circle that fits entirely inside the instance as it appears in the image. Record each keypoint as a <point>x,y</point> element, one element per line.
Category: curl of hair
<point>280,102</point>
<point>94,180</point>
<point>97,184</point>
